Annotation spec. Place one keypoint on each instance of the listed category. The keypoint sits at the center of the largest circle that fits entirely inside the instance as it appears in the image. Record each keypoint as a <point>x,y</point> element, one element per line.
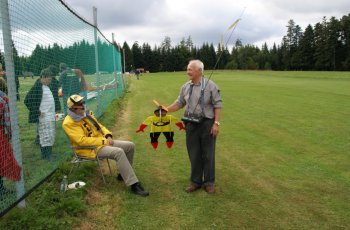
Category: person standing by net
<point>40,102</point>
<point>72,82</point>
<point>8,165</point>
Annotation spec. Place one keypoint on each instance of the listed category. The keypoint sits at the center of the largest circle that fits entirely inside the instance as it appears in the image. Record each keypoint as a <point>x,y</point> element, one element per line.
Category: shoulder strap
<point>202,94</point>
<point>93,122</point>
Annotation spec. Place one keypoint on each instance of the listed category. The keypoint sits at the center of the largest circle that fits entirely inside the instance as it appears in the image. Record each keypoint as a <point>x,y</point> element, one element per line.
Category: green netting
<point>52,46</point>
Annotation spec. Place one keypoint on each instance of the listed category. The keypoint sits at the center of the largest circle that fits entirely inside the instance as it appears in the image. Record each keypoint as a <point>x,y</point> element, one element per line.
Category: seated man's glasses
<point>77,108</point>
<point>79,105</point>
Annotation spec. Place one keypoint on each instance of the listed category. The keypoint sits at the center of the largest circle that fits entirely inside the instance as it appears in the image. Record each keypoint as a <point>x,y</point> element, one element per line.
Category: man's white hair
<point>198,64</point>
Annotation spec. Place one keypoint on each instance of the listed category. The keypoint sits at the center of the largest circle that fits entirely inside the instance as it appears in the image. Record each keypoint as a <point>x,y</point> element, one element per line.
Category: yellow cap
<point>74,99</point>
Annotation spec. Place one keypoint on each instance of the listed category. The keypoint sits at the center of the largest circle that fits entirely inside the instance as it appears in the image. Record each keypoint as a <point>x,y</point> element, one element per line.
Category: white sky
<point>149,21</point>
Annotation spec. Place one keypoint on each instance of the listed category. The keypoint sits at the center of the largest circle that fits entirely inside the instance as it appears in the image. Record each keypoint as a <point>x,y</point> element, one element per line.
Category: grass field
<point>282,157</point>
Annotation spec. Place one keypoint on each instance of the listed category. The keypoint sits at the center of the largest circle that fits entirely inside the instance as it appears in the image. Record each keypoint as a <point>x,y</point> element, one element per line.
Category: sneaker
<point>139,190</point>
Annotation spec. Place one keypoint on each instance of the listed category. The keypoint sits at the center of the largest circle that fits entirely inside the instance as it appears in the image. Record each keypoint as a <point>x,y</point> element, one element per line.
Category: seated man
<point>83,129</point>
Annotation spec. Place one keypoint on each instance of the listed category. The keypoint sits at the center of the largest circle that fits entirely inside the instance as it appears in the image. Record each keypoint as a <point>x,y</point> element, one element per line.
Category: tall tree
<point>189,43</point>
<point>166,44</point>
<point>294,52</point>
<point>322,49</point>
<point>128,56</point>
<point>345,40</point>
<point>147,56</point>
<point>307,49</point>
<point>137,55</point>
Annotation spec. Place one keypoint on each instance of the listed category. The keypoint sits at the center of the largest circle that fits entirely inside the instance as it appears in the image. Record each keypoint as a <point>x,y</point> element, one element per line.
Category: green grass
<point>282,157</point>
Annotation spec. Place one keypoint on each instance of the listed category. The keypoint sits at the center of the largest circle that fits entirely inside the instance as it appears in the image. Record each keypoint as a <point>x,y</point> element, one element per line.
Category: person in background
<point>137,73</point>
<point>3,75</point>
<point>72,82</point>
<point>8,165</point>
<point>54,86</point>
<point>2,72</point>
<point>83,129</point>
<point>40,102</point>
<point>202,119</point>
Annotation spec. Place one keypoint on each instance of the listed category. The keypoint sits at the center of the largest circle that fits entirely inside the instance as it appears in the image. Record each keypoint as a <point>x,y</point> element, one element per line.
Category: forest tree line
<point>322,47</point>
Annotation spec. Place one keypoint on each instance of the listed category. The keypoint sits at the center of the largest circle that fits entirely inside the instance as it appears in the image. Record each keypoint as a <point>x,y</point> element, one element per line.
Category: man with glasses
<point>202,101</point>
<point>83,129</point>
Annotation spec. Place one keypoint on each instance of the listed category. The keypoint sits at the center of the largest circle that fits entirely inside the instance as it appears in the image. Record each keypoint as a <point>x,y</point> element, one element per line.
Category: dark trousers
<point>201,151</point>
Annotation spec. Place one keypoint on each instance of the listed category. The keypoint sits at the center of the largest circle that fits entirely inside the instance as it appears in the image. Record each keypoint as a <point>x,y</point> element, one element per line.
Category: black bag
<point>192,119</point>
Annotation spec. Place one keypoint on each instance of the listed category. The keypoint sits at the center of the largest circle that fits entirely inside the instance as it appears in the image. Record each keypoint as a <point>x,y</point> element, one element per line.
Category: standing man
<point>83,129</point>
<point>202,101</point>
<point>72,82</point>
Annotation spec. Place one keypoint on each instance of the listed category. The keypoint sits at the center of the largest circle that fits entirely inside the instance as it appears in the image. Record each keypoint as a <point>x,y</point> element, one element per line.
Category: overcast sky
<point>150,21</point>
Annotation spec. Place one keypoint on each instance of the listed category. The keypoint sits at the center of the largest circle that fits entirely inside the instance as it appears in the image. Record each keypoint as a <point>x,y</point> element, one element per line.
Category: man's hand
<point>214,130</point>
<point>110,141</point>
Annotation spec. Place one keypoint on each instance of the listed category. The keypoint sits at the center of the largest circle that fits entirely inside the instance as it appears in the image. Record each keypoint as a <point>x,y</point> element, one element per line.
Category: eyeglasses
<point>77,108</point>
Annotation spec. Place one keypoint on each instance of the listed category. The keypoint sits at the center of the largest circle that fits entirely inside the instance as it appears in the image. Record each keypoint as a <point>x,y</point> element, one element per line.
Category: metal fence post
<point>99,110</point>
<point>114,65</point>
<point>10,73</point>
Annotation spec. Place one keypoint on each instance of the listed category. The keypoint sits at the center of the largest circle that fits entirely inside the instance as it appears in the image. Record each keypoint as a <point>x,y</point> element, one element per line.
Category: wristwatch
<point>217,123</point>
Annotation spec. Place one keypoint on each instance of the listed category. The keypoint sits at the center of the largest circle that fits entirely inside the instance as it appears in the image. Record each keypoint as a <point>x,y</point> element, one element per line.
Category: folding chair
<point>80,159</point>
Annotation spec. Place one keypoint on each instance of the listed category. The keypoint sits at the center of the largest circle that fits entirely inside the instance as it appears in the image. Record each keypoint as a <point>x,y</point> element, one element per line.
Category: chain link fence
<point>47,53</point>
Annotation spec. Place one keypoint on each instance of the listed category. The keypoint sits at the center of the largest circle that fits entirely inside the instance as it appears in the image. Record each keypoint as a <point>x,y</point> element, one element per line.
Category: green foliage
<point>324,46</point>
<point>231,65</point>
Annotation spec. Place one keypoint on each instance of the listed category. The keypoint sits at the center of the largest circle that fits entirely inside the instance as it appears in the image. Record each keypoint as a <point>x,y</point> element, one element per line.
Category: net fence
<point>47,53</point>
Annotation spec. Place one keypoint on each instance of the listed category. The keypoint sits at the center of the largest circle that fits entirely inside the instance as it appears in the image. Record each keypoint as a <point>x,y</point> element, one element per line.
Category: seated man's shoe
<point>139,190</point>
<point>119,177</point>
<point>192,187</point>
<point>210,189</point>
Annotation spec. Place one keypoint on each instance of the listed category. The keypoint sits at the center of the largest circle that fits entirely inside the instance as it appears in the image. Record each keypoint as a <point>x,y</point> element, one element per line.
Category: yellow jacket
<point>84,133</point>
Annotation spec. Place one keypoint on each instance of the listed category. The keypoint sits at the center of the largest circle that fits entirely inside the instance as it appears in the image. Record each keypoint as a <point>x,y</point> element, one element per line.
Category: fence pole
<point>114,65</point>
<point>11,83</point>
<point>98,82</point>
<point>124,70</point>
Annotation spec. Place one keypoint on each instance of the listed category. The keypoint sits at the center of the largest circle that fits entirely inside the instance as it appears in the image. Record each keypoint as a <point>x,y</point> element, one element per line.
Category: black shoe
<point>139,190</point>
<point>119,177</point>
